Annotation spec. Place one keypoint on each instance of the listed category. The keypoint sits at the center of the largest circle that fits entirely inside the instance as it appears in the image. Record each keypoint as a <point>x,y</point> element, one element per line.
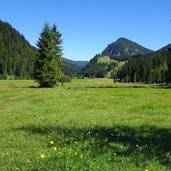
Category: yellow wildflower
<point>54,148</point>
<point>42,156</point>
<point>51,142</point>
<point>146,169</point>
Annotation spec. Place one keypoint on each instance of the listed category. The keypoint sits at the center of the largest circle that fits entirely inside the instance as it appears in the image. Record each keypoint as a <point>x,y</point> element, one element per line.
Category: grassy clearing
<point>107,60</point>
<point>91,128</point>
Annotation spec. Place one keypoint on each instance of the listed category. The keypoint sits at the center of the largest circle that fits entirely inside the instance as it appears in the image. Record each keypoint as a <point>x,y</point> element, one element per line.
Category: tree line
<point>152,68</point>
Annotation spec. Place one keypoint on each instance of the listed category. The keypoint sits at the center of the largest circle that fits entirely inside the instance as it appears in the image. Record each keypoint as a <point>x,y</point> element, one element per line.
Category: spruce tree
<point>168,74</point>
<point>47,68</point>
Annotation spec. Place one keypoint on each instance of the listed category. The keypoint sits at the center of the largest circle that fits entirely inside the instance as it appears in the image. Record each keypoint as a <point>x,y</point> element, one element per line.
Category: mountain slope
<point>80,64</point>
<point>17,56</point>
<point>124,49</point>
<point>164,49</point>
<point>70,69</point>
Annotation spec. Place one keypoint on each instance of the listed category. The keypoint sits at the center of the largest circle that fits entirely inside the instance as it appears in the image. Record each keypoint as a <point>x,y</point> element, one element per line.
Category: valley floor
<point>84,126</point>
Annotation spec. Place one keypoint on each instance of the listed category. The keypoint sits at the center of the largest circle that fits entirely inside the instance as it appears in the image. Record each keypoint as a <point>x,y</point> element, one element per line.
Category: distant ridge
<point>164,49</point>
<point>80,64</point>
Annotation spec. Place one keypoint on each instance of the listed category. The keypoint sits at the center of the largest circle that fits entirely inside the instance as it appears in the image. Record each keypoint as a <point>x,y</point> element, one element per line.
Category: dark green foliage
<point>17,56</point>
<point>152,68</point>
<point>71,70</point>
<point>95,69</point>
<point>64,79</point>
<point>47,68</point>
<point>168,76</point>
<point>114,75</point>
<point>98,71</point>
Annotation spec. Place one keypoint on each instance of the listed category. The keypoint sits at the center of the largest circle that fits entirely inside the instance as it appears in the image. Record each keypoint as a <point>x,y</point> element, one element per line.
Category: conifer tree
<point>47,68</point>
<point>168,76</point>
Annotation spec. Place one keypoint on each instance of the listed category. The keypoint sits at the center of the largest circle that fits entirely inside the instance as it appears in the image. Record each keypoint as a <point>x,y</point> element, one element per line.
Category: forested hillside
<point>152,68</point>
<point>71,70</point>
<point>113,57</point>
<point>17,56</point>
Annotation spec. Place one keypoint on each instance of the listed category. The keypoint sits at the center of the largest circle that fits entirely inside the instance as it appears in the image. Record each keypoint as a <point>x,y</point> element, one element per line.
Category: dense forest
<point>17,56</point>
<point>96,69</point>
<point>152,68</point>
<point>71,69</point>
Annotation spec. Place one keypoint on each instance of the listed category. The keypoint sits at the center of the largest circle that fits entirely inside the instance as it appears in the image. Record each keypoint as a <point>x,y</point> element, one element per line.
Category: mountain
<point>123,49</point>
<point>80,64</point>
<point>17,56</point>
<point>113,57</point>
<point>164,49</point>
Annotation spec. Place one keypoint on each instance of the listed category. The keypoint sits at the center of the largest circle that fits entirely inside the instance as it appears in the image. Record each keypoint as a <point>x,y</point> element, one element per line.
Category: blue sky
<point>88,26</point>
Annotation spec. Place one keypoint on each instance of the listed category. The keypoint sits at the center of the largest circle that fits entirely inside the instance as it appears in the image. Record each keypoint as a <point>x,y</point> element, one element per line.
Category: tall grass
<point>91,128</point>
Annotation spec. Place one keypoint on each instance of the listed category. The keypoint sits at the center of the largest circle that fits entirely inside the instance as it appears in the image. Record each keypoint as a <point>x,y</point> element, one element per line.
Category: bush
<point>64,79</point>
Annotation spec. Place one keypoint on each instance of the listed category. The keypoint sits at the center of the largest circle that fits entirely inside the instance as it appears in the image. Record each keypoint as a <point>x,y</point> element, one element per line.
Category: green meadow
<point>84,125</point>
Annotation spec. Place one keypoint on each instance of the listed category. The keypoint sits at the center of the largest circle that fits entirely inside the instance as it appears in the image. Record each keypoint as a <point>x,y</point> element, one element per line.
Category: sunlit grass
<point>79,128</point>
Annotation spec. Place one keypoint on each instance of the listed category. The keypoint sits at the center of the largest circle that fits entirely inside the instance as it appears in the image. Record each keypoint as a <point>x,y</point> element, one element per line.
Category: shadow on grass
<point>142,142</point>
